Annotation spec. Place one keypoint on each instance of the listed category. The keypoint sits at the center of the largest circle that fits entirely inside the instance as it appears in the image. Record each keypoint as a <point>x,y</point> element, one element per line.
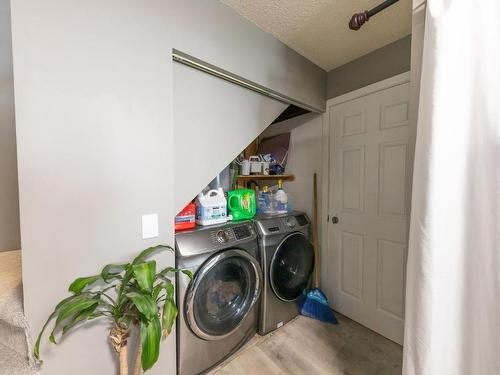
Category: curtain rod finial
<point>358,19</point>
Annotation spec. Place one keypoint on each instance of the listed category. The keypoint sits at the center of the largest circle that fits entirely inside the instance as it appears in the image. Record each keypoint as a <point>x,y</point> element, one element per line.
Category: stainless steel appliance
<point>287,259</point>
<point>218,309</point>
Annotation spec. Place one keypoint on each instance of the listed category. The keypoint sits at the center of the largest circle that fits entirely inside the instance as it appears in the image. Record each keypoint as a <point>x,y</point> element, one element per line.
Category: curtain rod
<point>196,63</point>
<point>358,19</point>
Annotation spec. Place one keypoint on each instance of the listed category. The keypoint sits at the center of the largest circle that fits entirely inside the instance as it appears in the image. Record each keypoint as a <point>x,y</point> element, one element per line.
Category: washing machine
<point>286,256</point>
<point>218,309</point>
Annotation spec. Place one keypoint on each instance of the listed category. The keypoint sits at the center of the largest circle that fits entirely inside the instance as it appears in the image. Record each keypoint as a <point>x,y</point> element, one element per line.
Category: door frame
<point>327,174</point>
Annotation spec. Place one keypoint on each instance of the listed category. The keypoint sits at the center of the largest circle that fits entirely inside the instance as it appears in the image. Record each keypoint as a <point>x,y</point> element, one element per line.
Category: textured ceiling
<point>318,29</point>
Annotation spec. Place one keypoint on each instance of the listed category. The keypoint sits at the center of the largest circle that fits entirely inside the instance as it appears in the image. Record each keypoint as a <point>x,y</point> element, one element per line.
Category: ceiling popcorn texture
<point>318,29</point>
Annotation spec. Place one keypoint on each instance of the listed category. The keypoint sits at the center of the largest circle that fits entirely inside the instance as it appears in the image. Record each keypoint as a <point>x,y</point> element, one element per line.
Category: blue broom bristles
<point>314,304</point>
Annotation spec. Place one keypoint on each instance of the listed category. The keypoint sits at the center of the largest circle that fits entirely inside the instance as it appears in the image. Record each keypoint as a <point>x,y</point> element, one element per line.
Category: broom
<point>314,303</point>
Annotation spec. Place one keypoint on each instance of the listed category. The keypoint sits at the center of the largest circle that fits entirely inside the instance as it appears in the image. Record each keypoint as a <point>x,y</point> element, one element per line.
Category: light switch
<point>149,226</point>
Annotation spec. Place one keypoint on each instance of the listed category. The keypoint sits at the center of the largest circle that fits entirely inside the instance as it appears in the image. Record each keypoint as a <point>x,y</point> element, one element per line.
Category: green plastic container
<point>241,204</point>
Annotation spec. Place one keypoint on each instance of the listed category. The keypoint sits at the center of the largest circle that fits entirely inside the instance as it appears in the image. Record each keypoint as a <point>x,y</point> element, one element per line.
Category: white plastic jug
<point>281,199</point>
<point>211,208</point>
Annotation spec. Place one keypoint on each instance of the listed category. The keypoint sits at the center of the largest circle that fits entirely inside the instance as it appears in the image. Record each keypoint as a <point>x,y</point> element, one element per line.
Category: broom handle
<point>317,266</point>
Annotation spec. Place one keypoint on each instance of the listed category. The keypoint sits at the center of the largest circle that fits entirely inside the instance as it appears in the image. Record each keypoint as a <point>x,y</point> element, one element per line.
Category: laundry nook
<point>235,187</point>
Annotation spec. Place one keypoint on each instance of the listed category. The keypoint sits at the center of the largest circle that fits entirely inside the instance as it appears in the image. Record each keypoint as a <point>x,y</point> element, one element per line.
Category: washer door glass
<point>224,291</point>
<point>291,267</point>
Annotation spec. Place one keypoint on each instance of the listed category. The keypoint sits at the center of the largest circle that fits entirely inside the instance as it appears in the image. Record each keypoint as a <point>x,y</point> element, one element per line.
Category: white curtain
<point>453,286</point>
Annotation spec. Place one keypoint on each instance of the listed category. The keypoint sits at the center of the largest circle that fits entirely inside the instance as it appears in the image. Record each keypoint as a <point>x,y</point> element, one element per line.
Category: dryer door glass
<point>225,289</point>
<point>291,267</point>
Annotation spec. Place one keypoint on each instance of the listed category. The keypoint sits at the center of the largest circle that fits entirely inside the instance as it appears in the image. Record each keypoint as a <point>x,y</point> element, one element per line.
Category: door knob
<point>335,220</point>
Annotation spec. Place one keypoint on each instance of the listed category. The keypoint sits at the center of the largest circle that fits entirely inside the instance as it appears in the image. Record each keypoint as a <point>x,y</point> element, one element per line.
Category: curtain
<point>453,274</point>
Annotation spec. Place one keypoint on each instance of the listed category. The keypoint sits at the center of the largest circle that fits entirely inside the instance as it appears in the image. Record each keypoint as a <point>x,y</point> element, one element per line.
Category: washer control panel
<point>223,236</point>
<point>214,238</point>
<point>232,234</point>
<point>242,232</point>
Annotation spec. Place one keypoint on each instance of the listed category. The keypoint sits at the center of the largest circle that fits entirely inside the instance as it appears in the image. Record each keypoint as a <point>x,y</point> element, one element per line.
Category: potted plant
<point>131,296</point>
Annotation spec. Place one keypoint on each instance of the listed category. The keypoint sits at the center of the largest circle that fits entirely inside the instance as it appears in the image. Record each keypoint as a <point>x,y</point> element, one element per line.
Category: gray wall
<point>209,108</point>
<point>375,66</point>
<point>94,127</point>
<point>212,125</point>
<point>9,202</point>
<point>214,32</point>
<point>93,89</point>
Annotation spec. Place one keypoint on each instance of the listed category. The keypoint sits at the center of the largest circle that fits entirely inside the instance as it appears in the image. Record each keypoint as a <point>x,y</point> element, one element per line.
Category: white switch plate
<point>150,226</point>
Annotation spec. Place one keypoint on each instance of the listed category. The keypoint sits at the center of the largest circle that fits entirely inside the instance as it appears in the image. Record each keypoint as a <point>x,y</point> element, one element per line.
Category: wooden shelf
<point>262,177</point>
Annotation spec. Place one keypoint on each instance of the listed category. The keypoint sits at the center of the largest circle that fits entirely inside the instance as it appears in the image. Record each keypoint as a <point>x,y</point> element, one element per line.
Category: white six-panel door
<point>370,182</point>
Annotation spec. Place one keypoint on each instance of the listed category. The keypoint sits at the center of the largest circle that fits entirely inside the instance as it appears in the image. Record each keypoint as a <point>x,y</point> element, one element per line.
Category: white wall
<point>304,161</point>
<point>94,129</point>
<point>304,158</point>
<point>9,202</point>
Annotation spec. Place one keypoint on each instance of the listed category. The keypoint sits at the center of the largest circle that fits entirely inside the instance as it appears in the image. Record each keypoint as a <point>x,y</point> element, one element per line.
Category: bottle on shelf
<point>264,201</point>
<point>281,199</point>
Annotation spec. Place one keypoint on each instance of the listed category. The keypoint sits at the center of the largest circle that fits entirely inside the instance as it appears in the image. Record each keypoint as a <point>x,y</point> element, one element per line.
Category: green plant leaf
<point>150,251</point>
<point>188,273</point>
<point>150,340</point>
<point>76,306</point>
<point>144,274</point>
<point>144,303</point>
<point>169,309</point>
<point>78,309</point>
<point>158,288</point>
<point>79,284</point>
<point>59,306</point>
<point>167,270</point>
<point>169,287</point>
<point>36,349</point>
<point>129,271</point>
<point>80,317</point>
<point>113,271</point>
<point>169,314</point>
<point>52,338</point>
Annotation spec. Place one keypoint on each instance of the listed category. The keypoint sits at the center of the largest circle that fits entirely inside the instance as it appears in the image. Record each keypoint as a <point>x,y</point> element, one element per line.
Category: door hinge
<point>327,218</point>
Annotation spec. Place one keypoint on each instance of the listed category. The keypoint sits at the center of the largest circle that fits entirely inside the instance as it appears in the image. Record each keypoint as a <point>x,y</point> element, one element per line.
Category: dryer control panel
<point>281,224</point>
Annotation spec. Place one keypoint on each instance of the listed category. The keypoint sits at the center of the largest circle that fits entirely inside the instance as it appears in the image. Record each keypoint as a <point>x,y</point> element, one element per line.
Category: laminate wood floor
<point>306,346</point>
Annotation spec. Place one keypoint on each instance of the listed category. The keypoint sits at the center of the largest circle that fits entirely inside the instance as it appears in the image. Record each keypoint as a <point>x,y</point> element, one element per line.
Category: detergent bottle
<point>281,199</point>
<point>241,204</point>
<point>211,208</point>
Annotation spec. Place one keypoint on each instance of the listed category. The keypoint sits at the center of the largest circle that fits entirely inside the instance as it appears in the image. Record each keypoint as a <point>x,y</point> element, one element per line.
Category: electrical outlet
<point>150,226</point>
